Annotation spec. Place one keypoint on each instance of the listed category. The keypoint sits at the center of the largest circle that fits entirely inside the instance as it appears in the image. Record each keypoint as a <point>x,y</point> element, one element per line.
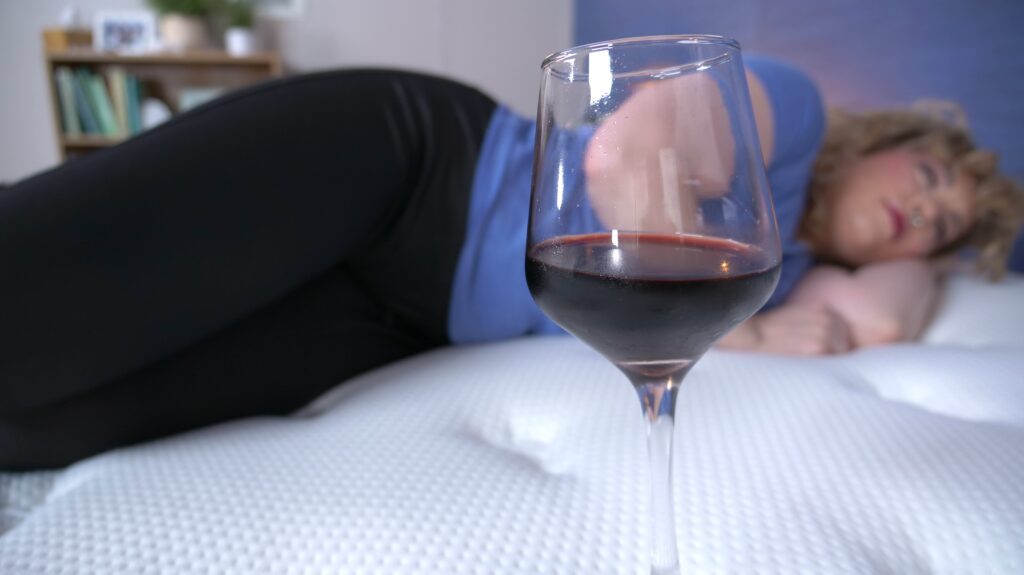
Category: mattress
<point>529,457</point>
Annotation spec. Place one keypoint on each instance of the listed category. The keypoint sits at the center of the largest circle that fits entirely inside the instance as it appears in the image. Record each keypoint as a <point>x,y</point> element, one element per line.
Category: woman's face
<point>900,203</point>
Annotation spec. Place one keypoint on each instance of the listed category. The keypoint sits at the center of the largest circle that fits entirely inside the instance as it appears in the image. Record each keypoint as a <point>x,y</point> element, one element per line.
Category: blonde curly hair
<point>941,131</point>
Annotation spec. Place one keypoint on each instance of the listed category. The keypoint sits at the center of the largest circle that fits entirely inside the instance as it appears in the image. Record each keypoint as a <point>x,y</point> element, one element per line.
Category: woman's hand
<point>794,329</point>
<point>667,145</point>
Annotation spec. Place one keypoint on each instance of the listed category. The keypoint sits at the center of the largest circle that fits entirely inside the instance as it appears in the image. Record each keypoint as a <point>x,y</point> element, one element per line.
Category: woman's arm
<point>882,303</point>
<point>792,328</point>
<point>833,310</point>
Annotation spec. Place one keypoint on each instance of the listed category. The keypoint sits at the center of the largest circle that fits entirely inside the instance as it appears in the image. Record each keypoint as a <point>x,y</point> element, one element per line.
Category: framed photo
<point>131,32</point>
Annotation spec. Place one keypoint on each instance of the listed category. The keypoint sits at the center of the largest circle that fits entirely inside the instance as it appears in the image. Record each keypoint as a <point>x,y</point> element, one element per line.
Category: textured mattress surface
<point>529,457</point>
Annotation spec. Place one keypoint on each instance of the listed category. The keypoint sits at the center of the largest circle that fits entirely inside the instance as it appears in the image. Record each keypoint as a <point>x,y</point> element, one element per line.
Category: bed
<point>528,456</point>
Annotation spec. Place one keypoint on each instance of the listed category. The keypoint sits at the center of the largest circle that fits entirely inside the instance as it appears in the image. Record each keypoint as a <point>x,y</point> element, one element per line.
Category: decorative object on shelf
<point>70,35</point>
<point>125,32</point>
<point>154,113</point>
<point>190,98</point>
<point>183,23</point>
<point>70,16</point>
<point>240,38</point>
<point>180,33</point>
<point>64,39</point>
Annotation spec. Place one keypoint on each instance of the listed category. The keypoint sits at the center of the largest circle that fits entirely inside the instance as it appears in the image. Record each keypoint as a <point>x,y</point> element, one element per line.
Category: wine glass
<point>652,231</point>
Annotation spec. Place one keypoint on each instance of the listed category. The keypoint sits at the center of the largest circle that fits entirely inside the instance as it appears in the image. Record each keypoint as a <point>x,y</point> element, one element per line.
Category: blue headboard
<point>872,53</point>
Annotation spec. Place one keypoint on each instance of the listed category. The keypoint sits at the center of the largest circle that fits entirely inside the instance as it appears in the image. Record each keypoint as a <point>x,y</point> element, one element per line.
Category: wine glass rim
<point>634,40</point>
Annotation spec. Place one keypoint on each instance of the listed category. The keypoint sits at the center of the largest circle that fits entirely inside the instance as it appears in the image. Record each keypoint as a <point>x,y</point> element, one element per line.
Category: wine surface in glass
<point>650,303</point>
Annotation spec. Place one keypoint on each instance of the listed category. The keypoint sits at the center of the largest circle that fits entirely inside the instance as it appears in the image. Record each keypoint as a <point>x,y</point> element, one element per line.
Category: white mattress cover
<point>529,457</point>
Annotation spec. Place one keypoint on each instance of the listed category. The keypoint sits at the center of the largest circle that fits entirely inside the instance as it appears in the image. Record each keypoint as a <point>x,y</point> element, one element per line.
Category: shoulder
<point>782,79</point>
<point>797,107</point>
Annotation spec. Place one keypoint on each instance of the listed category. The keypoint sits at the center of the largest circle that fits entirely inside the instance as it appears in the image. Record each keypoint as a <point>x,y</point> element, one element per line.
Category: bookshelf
<point>164,76</point>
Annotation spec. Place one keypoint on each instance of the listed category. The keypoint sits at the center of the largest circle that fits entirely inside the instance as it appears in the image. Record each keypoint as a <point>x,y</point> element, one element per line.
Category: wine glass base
<point>673,570</point>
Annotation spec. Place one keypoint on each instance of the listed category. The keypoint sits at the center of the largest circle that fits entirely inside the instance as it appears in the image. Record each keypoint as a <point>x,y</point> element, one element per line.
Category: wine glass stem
<point>658,401</point>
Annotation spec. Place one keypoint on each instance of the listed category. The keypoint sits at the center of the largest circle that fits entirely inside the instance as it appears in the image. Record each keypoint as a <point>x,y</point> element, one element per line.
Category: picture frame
<point>124,32</point>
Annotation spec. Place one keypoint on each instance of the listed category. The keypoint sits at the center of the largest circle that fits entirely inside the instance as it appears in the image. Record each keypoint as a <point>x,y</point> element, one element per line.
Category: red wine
<point>652,304</point>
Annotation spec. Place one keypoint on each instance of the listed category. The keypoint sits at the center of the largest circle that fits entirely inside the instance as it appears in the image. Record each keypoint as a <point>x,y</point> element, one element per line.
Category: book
<point>83,103</point>
<point>134,105</point>
<point>117,83</point>
<point>66,96</point>
<point>104,108</point>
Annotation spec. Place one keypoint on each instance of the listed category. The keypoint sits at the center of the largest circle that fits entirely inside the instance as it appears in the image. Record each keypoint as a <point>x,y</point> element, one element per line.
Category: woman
<point>892,194</point>
<point>247,256</point>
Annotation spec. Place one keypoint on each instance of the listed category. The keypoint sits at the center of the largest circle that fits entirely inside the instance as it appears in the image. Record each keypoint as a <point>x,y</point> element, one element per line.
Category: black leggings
<point>238,260</point>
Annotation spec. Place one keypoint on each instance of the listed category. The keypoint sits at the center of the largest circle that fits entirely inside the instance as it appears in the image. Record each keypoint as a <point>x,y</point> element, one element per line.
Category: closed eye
<point>929,178</point>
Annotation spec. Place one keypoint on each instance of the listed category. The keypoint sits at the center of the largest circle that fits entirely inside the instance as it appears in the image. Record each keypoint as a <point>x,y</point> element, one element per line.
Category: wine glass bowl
<point>651,229</point>
<point>650,303</point>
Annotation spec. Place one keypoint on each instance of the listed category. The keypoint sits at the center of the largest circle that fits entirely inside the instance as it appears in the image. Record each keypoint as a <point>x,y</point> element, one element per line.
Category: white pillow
<point>975,312</point>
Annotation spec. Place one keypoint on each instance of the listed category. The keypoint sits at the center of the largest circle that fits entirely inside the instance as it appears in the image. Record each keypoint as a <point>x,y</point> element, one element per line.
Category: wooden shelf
<point>166,76</point>
<point>209,58</point>
<point>89,141</point>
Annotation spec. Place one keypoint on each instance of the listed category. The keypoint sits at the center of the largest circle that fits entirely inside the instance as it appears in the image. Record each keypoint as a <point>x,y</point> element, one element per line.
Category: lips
<point>899,221</point>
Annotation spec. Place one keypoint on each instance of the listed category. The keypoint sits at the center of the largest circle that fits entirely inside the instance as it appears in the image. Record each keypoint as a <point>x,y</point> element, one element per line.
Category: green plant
<point>239,13</point>
<point>201,8</point>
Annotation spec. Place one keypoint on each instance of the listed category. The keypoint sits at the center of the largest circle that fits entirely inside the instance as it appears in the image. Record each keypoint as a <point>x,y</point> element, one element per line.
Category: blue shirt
<point>490,298</point>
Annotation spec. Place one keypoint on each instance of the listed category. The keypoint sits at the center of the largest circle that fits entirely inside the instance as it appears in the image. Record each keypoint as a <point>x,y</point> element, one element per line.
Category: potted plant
<point>239,38</point>
<point>183,23</point>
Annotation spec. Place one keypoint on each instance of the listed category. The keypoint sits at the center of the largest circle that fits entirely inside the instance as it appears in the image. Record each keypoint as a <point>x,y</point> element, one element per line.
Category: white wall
<point>496,45</point>
<point>26,124</point>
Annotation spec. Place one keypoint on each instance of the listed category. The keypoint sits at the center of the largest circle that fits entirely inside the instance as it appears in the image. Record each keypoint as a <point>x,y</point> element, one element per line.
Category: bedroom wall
<point>493,44</point>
